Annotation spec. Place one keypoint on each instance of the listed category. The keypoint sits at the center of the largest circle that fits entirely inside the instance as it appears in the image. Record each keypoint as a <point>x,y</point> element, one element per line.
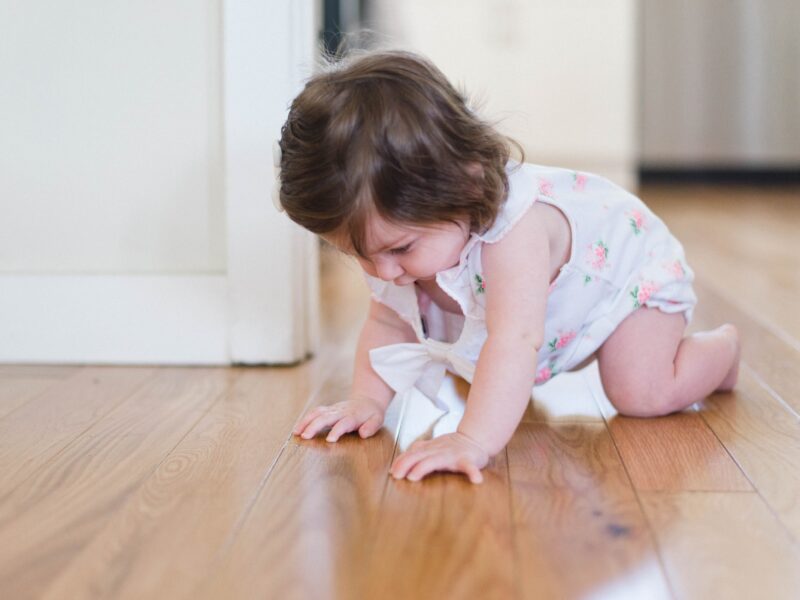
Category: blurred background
<point>704,90</point>
<point>136,143</point>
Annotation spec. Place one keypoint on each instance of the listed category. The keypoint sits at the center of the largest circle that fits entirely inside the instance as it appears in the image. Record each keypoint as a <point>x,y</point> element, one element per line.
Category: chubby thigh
<point>637,361</point>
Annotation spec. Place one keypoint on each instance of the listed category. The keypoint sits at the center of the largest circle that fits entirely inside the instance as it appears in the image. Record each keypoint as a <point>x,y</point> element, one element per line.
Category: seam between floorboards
<point>756,490</point>
<point>756,317</point>
<point>650,529</point>
<point>513,526</point>
<point>42,392</point>
<point>145,478</point>
<point>262,484</point>
<point>763,383</point>
<point>78,436</point>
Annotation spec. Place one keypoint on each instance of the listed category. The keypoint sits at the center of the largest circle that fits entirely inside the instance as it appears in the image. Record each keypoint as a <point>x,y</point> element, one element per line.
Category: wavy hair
<point>384,132</point>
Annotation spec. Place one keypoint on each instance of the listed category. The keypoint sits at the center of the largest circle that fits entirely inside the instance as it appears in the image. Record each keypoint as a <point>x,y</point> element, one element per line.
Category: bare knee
<point>642,399</point>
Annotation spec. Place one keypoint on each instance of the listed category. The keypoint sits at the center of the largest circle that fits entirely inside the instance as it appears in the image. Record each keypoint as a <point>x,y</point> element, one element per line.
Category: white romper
<point>622,257</point>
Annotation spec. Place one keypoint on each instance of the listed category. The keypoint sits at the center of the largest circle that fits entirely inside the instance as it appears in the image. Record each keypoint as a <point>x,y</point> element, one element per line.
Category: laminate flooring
<point>143,482</point>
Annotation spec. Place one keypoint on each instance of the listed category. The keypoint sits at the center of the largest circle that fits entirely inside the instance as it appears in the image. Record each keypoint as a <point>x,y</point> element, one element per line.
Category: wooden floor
<point>185,483</point>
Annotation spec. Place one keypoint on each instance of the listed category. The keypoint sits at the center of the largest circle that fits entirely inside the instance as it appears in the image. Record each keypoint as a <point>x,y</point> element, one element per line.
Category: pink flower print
<point>676,268</point>
<point>579,181</point>
<point>561,341</point>
<point>636,219</point>
<point>641,293</point>
<point>597,255</point>
<point>545,187</point>
<point>543,374</point>
<point>480,284</point>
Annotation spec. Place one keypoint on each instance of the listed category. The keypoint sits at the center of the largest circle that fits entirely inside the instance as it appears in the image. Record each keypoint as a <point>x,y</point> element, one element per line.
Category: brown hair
<point>385,132</point>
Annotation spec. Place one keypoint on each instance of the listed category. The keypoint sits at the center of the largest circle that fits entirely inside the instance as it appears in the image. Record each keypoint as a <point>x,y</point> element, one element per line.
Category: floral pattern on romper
<point>597,256</point>
<point>480,284</point>
<point>642,292</point>
<point>636,219</point>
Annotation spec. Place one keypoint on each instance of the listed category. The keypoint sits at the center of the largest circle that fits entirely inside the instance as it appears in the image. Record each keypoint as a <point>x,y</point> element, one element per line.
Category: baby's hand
<point>364,414</point>
<point>451,452</point>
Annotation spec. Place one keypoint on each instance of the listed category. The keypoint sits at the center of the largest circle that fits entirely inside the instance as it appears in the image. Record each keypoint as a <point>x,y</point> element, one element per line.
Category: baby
<point>503,272</point>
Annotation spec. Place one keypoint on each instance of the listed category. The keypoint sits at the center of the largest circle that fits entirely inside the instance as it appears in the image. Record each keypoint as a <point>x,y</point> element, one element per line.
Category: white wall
<point>111,137</point>
<point>562,75</point>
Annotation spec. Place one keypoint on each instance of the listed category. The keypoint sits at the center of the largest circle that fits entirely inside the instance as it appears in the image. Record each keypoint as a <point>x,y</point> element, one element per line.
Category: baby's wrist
<point>371,400</point>
<point>474,442</point>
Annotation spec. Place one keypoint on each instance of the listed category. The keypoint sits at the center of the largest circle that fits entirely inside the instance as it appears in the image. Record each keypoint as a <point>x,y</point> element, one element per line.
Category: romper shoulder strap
<point>522,192</point>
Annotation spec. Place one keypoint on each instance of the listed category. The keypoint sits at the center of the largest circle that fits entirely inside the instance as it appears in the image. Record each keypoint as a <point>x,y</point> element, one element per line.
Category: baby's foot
<point>731,378</point>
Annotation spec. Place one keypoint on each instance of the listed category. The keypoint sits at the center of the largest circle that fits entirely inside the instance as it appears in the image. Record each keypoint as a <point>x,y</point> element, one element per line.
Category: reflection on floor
<point>177,483</point>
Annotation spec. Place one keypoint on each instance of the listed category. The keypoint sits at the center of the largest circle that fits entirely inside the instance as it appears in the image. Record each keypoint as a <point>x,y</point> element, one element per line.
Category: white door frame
<point>264,308</point>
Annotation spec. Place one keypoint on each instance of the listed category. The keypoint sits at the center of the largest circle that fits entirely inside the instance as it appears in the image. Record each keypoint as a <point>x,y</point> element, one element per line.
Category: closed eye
<point>401,250</point>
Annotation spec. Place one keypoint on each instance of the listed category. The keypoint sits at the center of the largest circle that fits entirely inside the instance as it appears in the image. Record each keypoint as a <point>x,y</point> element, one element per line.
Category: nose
<point>388,269</point>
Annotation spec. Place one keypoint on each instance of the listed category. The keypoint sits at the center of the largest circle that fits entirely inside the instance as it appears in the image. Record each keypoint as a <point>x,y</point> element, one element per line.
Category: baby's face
<point>404,254</point>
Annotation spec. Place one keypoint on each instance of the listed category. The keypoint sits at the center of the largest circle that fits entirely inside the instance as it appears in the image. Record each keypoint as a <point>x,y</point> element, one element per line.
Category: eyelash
<point>402,250</point>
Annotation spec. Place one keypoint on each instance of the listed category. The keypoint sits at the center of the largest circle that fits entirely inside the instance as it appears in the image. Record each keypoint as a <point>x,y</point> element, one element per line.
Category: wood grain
<point>768,352</point>
<point>183,483</point>
<point>763,436</point>
<point>65,502</point>
<point>190,505</point>
<point>444,537</point>
<point>309,530</point>
<point>578,527</point>
<point>42,427</point>
<point>723,545</point>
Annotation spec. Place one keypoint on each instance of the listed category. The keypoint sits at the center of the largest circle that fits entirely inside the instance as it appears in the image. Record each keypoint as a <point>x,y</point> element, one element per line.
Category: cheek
<point>418,263</point>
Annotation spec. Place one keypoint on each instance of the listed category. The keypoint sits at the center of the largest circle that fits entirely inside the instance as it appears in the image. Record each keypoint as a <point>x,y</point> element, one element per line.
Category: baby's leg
<point>648,368</point>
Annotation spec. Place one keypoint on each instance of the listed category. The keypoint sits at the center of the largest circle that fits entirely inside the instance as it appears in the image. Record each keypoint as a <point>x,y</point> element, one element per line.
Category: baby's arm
<point>516,271</point>
<point>369,396</point>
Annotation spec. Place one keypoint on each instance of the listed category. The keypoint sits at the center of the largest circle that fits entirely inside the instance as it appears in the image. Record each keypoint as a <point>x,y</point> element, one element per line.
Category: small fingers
<point>471,471</point>
<point>320,422</point>
<point>344,425</point>
<point>406,461</point>
<point>444,462</point>
<point>307,418</point>
<point>370,426</point>
<point>437,462</point>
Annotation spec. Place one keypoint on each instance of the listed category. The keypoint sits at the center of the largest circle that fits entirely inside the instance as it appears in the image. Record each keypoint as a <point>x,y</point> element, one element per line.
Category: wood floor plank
<point>444,537</point>
<point>181,516</point>
<point>673,452</point>
<point>764,438</point>
<point>744,241</point>
<point>16,391</point>
<point>578,527</point>
<point>723,545</point>
<point>42,427</point>
<point>55,512</point>
<point>308,532</point>
<point>775,360</point>
<point>676,452</point>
